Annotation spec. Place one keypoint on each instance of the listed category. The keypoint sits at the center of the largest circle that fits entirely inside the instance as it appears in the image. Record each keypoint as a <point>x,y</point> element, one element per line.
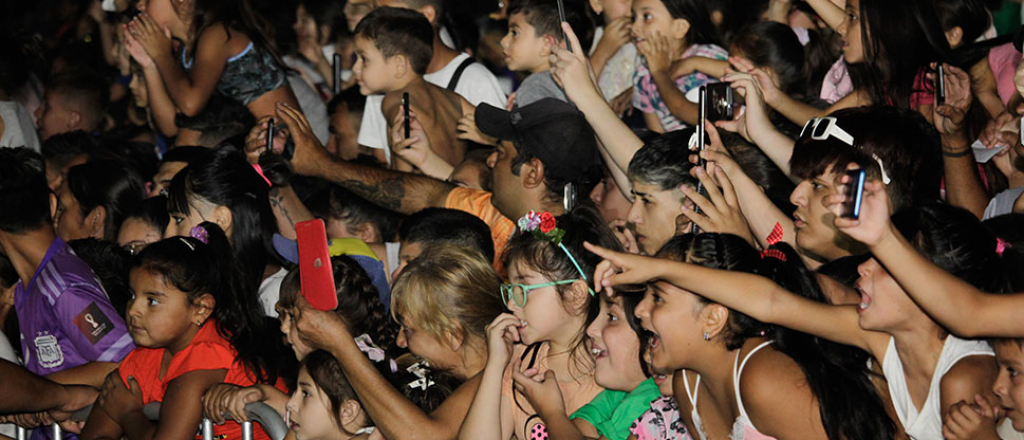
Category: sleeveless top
<point>927,423</point>
<point>742,428</point>
<point>246,76</point>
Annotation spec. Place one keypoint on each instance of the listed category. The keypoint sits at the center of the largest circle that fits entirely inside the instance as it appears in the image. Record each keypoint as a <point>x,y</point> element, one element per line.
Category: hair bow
<point>375,353</point>
<point>419,370</point>
<point>774,237</point>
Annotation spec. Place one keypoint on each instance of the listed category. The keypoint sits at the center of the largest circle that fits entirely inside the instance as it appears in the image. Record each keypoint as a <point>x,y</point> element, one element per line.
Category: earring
<point>707,336</point>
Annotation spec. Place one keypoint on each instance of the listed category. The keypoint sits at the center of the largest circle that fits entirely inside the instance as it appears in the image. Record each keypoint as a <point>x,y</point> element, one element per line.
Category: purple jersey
<point>65,316</point>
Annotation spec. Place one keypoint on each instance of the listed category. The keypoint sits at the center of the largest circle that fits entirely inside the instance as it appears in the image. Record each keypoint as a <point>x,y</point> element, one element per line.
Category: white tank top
<point>742,428</point>
<point>926,424</point>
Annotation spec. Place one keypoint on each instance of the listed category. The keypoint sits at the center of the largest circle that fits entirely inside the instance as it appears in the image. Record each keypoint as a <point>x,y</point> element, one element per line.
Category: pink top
<point>837,83</point>
<point>1004,60</point>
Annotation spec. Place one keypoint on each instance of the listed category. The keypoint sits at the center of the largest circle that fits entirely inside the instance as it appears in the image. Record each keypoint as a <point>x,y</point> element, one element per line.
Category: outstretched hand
<point>873,223</point>
<point>309,153</point>
<point>571,70</point>
<point>949,117</point>
<point>619,268</point>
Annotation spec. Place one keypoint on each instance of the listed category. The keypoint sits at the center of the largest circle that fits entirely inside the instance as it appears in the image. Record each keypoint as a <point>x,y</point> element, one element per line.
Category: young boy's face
<point>372,70</point>
<point>1009,386</point>
<point>523,48</point>
<point>815,230</point>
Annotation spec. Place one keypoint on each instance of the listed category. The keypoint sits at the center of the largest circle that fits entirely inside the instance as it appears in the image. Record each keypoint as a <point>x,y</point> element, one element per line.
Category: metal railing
<point>258,412</point>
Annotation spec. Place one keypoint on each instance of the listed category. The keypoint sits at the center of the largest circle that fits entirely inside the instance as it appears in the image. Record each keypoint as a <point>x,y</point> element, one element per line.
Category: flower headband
<point>544,227</point>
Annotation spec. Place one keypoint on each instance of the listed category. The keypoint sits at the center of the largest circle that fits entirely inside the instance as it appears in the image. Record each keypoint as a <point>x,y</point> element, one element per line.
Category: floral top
<point>661,422</point>
<point>645,93</point>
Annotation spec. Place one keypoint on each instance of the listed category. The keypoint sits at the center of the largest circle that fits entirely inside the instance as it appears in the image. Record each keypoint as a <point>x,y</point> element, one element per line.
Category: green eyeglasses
<point>517,292</point>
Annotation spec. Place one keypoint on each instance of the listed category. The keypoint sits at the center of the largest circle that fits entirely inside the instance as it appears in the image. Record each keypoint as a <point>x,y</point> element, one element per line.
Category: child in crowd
<point>617,343</point>
<point>193,330</point>
<point>715,344</point>
<point>324,406</point>
<point>552,303</point>
<point>534,29</point>
<point>613,56</point>
<point>665,31</point>
<point>224,50</point>
<point>94,200</point>
<point>899,336</point>
<point>393,47</point>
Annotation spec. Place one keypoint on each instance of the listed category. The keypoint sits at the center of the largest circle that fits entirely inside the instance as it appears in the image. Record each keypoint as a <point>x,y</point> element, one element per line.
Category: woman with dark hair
<point>95,199</point>
<point>927,370</point>
<point>320,32</point>
<point>225,189</point>
<point>888,47</point>
<point>144,225</point>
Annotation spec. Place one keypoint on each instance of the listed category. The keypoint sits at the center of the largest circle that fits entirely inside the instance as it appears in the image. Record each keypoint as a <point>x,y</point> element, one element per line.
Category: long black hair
<point>234,14</point>
<point>899,38</point>
<point>696,12</point>
<point>199,268</point>
<point>837,374</point>
<point>108,184</point>
<point>225,178</point>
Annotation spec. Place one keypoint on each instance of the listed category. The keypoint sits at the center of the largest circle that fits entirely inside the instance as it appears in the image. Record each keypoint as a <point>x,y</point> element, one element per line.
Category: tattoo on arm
<point>387,193</point>
<point>277,202</point>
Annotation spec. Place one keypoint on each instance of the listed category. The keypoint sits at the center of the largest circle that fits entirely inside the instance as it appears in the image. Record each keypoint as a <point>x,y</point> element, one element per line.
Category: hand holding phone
<point>854,194</point>
<point>316,275</point>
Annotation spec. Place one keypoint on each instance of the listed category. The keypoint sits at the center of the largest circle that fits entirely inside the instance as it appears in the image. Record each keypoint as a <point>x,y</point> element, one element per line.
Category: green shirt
<point>613,412</point>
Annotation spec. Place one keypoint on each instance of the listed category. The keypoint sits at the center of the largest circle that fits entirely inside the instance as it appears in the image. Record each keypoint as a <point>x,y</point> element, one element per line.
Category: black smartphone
<point>337,73</point>
<point>561,19</point>
<point>940,85</point>
<point>854,192</point>
<point>702,141</point>
<point>720,103</point>
<point>405,112</point>
<point>270,135</point>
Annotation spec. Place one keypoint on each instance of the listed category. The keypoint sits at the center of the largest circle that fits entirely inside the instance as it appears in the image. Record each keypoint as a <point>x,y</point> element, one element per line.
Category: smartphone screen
<point>854,192</point>
<point>720,102</point>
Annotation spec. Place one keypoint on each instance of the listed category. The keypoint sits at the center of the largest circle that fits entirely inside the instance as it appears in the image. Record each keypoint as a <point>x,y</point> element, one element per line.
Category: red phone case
<point>315,272</point>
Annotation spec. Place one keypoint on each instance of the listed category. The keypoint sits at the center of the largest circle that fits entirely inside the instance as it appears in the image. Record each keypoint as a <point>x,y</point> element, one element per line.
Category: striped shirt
<point>65,317</point>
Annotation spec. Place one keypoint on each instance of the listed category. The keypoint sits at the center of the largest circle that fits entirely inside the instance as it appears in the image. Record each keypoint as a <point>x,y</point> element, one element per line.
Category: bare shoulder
<point>969,376</point>
<point>770,378</point>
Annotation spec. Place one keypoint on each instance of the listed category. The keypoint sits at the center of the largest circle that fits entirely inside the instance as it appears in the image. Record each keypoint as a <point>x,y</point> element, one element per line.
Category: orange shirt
<point>478,203</point>
<point>207,351</point>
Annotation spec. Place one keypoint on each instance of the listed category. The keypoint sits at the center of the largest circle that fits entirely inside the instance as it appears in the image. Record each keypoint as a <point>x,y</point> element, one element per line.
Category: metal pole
<point>247,430</point>
<point>55,431</point>
<point>21,433</point>
<point>207,429</point>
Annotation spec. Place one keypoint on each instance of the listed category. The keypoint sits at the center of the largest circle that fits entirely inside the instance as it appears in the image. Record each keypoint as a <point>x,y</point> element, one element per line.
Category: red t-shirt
<point>207,351</point>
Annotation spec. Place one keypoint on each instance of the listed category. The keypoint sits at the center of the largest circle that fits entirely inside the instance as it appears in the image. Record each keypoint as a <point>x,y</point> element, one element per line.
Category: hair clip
<point>375,353</point>
<point>187,243</point>
<point>773,238</point>
<point>1001,246</point>
<point>259,170</point>
<point>544,227</point>
<point>200,233</point>
<point>419,370</point>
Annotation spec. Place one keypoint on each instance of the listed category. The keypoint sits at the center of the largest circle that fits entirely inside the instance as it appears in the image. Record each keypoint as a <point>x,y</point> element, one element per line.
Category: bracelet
<point>961,153</point>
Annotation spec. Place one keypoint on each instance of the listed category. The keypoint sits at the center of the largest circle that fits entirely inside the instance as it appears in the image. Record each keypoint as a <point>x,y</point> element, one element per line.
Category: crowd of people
<point>567,219</point>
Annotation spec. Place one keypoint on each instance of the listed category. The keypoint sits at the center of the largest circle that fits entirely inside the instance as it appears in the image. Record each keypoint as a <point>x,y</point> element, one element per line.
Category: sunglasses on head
<point>821,129</point>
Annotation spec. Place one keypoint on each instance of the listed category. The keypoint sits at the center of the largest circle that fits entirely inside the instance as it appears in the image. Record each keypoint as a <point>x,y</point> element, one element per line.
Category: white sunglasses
<point>824,128</point>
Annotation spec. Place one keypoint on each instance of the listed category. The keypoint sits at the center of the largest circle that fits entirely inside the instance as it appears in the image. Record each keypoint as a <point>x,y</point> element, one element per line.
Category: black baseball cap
<point>551,130</point>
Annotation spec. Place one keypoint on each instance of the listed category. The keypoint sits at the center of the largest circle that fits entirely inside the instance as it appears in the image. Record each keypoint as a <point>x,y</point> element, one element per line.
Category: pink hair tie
<point>1001,246</point>
<point>259,170</point>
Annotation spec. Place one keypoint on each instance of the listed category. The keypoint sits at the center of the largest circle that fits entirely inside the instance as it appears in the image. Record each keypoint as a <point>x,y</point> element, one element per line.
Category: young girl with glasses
<point>551,302</point>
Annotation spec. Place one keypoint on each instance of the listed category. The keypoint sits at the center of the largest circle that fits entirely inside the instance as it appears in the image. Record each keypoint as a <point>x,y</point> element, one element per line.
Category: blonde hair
<point>448,290</point>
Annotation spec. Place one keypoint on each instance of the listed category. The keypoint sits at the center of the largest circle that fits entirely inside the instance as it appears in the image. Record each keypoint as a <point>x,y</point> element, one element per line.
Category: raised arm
<point>573,73</point>
<point>161,106</point>
<point>188,91</point>
<point>753,295</point>
<point>396,417</point>
<point>963,185</point>
<point>952,302</point>
<point>753,123</point>
<point>833,12</point>
<point>400,192</point>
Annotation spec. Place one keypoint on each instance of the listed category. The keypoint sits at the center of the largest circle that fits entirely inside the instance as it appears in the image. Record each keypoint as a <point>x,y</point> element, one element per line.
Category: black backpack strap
<point>454,82</point>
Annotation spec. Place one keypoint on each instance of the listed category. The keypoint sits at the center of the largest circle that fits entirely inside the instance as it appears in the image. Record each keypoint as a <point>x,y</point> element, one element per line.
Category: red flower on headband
<point>547,222</point>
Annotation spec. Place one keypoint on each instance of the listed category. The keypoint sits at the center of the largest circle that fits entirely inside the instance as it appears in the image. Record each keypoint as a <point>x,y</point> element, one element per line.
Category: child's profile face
<point>524,50</point>
<point>291,334</point>
<point>372,70</point>
<point>615,348</point>
<point>309,411</point>
<point>1009,386</point>
<point>650,17</point>
<point>653,215</point>
<point>159,315</point>
<point>671,315</point>
<point>883,304</point>
<point>849,29</point>
<point>815,228</point>
<point>181,224</point>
